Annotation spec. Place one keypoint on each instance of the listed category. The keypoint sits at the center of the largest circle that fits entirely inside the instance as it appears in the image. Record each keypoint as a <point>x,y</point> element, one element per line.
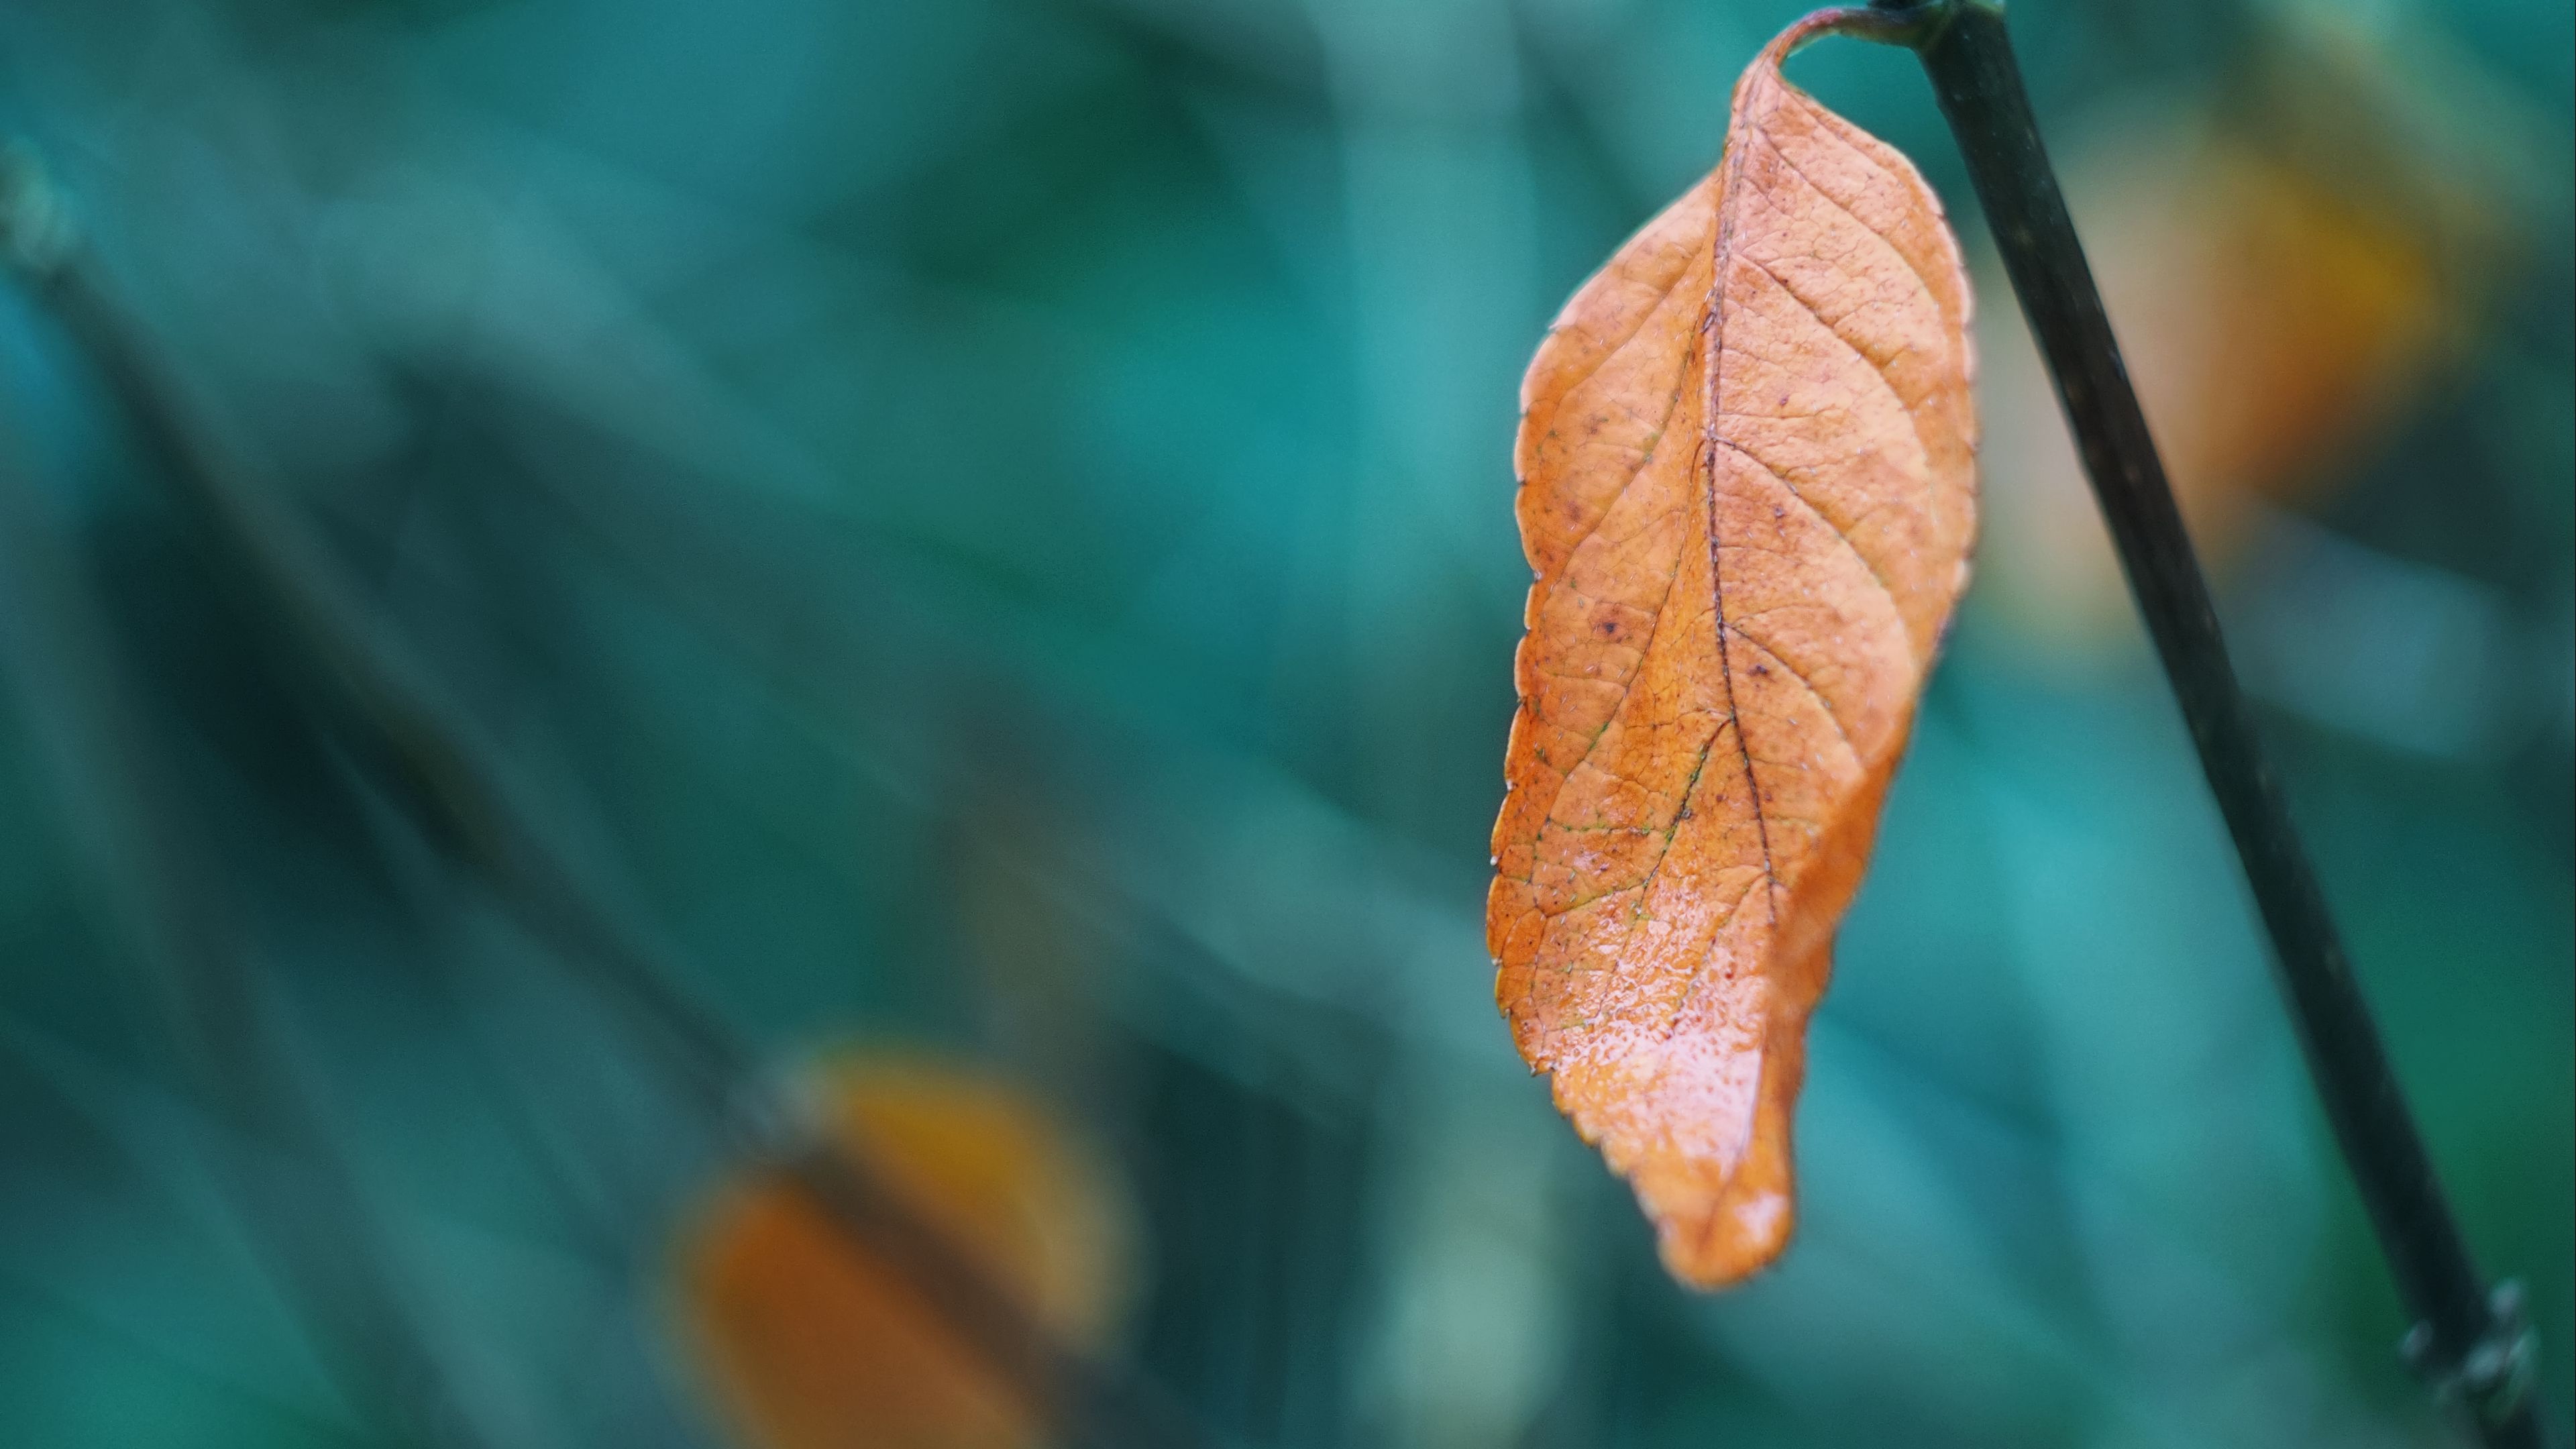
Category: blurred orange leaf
<point>1743,572</point>
<point>812,1343</point>
<point>2293,265</point>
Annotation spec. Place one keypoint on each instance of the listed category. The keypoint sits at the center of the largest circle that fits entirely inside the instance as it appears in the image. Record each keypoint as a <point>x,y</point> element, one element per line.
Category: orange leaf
<point>813,1343</point>
<point>1743,572</point>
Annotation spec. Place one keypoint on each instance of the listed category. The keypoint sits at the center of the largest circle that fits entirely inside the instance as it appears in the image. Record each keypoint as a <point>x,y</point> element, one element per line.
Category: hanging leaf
<point>1744,569</point>
<point>813,1343</point>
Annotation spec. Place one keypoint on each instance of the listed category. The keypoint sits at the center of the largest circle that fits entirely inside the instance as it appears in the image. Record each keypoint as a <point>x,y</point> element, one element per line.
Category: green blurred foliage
<point>988,522</point>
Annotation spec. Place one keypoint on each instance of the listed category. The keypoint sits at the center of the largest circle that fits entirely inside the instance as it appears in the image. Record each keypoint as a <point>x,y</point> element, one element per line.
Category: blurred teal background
<point>987,523</point>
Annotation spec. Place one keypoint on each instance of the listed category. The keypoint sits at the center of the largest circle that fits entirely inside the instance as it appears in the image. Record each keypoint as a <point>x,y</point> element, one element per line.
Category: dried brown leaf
<point>1743,572</point>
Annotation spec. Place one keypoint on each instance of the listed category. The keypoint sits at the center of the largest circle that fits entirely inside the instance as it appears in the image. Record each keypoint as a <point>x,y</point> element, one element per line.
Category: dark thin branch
<point>426,887</point>
<point>300,1201</point>
<point>2472,1344</point>
<point>437,764</point>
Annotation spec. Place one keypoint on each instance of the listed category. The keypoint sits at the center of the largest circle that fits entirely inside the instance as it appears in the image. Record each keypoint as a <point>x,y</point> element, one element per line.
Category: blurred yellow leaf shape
<point>2293,265</point>
<point>1744,569</point>
<point>812,1343</point>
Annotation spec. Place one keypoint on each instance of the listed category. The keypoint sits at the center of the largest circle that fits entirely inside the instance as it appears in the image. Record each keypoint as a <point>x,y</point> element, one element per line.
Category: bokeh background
<point>983,528</point>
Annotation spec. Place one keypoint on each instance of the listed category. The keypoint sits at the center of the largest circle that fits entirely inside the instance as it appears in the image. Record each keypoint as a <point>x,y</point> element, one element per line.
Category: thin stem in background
<point>436,764</point>
<point>306,1214</point>
<point>2472,1344</point>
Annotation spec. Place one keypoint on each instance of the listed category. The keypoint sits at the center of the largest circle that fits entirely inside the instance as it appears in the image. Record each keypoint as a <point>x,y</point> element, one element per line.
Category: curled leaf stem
<point>2469,1342</point>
